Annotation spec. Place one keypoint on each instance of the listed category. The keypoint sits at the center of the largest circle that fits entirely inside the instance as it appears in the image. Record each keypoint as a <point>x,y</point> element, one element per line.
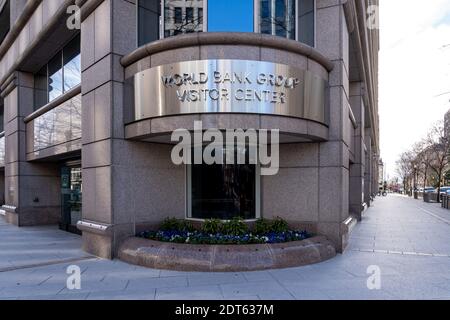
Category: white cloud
<point>414,70</point>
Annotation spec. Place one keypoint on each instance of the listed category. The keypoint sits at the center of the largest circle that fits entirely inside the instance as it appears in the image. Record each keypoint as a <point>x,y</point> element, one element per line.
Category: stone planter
<point>225,258</point>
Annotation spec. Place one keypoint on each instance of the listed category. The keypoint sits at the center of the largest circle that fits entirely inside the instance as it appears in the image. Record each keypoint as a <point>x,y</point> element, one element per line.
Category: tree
<point>447,177</point>
<point>438,144</point>
<point>404,168</point>
<point>422,160</point>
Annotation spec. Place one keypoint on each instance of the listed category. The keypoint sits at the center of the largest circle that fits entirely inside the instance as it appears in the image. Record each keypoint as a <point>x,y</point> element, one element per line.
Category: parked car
<point>428,190</point>
<point>443,190</point>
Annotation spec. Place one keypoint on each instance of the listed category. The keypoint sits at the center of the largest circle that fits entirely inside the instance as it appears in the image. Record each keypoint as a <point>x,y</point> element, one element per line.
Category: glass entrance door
<point>71,198</point>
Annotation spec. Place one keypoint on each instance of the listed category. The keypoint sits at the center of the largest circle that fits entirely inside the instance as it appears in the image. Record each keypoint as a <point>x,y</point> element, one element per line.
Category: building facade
<point>92,90</point>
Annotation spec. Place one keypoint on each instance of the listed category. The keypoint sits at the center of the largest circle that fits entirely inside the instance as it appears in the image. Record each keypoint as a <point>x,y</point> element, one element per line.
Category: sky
<point>414,72</point>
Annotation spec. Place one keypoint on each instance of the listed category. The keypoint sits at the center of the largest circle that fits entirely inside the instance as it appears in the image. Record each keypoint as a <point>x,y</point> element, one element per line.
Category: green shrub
<point>212,226</point>
<point>262,226</point>
<point>235,227</point>
<point>279,225</point>
<point>185,225</point>
<point>170,224</point>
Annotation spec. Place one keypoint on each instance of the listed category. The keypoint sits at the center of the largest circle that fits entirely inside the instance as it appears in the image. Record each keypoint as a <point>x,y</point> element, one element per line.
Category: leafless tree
<point>438,146</point>
<point>421,161</point>
<point>404,169</point>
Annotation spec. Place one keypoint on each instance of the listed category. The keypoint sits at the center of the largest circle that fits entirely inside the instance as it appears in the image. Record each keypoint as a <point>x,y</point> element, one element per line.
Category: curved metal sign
<point>229,86</point>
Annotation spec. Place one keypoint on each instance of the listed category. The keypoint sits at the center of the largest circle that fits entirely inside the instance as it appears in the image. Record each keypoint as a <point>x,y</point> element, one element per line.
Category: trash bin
<point>445,201</point>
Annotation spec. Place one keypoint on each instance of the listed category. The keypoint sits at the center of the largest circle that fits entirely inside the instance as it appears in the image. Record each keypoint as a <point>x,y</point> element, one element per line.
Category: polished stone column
<point>368,172</point>
<point>357,169</point>
<point>126,183</point>
<point>32,190</point>
<point>333,41</point>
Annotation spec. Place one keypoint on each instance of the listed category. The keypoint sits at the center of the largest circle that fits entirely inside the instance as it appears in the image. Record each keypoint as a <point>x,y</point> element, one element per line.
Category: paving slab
<point>406,239</point>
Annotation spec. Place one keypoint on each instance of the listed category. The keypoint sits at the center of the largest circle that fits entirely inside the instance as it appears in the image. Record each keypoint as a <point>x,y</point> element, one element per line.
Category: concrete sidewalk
<point>25,247</point>
<point>407,239</point>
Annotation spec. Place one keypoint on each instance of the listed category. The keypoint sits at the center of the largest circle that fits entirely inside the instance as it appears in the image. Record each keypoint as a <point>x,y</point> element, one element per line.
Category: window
<point>2,113</point>
<point>223,191</point>
<point>40,88</point>
<point>200,14</point>
<point>231,15</point>
<point>179,17</point>
<point>5,13</point>
<point>149,13</point>
<point>72,65</point>
<point>277,17</point>
<point>61,74</point>
<point>291,19</point>
<point>55,77</point>
<point>306,22</point>
<point>189,15</point>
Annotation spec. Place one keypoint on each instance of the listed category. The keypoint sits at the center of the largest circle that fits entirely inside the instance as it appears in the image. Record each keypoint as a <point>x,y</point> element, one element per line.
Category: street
<point>406,239</point>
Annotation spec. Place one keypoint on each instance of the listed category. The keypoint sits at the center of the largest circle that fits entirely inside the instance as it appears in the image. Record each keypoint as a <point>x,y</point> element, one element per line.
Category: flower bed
<point>198,237</point>
<point>215,232</point>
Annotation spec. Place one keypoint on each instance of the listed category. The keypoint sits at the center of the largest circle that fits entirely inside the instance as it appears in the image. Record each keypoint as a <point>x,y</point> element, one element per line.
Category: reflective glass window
<point>223,191</point>
<point>2,112</point>
<point>231,16</point>
<point>178,15</point>
<point>189,15</point>
<point>40,88</point>
<point>182,16</point>
<point>306,22</point>
<point>149,13</point>
<point>200,14</point>
<point>291,19</point>
<point>72,64</point>
<point>277,17</point>
<point>55,78</point>
<point>62,73</point>
<point>5,19</point>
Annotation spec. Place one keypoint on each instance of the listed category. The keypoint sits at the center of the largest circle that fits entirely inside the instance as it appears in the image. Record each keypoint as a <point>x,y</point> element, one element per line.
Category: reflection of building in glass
<point>278,18</point>
<point>59,125</point>
<point>182,16</point>
<point>292,19</point>
<point>76,192</point>
<point>61,74</point>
